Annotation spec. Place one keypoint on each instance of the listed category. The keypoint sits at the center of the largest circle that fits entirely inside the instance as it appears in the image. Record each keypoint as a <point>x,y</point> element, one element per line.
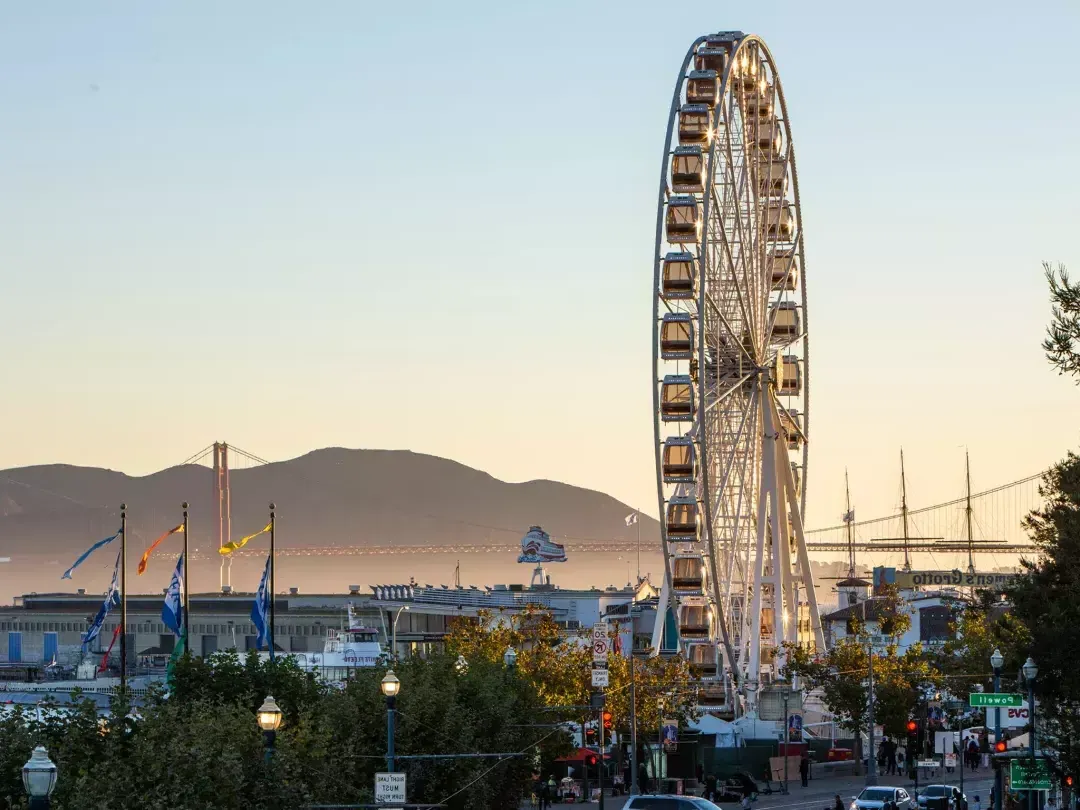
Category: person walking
<point>710,787</point>
<point>890,758</point>
<point>546,789</point>
<point>804,770</point>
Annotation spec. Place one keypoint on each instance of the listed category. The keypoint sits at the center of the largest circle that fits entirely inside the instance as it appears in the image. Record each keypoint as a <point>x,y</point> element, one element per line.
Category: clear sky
<point>430,226</point>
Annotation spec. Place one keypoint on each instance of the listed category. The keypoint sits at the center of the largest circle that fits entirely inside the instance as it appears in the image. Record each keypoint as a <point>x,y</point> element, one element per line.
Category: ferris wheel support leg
<point>787,590</point>
<point>663,605</point>
<point>780,573</point>
<point>806,574</point>
<point>753,619</point>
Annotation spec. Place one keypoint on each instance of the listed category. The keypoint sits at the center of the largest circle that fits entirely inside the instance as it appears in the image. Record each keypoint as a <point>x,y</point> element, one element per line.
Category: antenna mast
<point>849,518</point>
<point>967,512</point>
<point>904,511</point>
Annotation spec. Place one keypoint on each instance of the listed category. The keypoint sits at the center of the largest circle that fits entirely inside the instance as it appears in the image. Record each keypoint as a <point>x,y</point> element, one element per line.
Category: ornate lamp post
<point>997,660</point>
<point>390,687</point>
<point>510,658</point>
<point>269,719</point>
<point>461,666</point>
<point>39,778</point>
<point>1031,671</point>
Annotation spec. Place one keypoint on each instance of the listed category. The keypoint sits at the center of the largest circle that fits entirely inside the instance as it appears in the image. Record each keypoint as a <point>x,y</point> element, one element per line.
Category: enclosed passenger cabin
<point>678,277</point>
<point>747,69</point>
<point>780,219</point>
<point>677,336</point>
<point>703,87</point>
<point>791,425</point>
<point>683,220</point>
<point>695,124</point>
<point>786,322</point>
<point>758,110</point>
<point>771,176</point>
<point>688,170</point>
<point>695,621</point>
<point>715,59</point>
<point>712,693</point>
<point>769,141</point>
<point>677,398</point>
<point>785,269</point>
<point>681,519</point>
<point>702,659</point>
<point>791,375</point>
<point>679,460</point>
<point>688,574</point>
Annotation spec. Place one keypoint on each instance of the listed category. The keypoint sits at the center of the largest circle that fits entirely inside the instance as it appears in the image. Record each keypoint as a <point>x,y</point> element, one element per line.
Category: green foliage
<point>1064,331</point>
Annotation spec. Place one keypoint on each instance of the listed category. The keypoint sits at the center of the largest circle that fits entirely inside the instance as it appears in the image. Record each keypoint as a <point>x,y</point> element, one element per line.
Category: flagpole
<point>123,596</point>
<point>187,571</point>
<point>273,590</point>
<point>637,515</point>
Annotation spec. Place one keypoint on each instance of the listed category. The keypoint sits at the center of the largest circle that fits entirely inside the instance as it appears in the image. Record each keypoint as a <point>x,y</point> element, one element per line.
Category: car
<point>875,798</point>
<point>937,791</point>
<point>668,802</point>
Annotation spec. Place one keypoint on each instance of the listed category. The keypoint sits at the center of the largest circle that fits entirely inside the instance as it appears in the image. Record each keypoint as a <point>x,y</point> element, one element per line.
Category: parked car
<point>938,791</point>
<point>667,802</point>
<point>875,798</point>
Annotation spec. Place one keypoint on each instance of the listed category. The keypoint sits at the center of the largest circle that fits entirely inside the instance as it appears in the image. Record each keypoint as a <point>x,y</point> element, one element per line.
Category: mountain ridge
<point>325,497</point>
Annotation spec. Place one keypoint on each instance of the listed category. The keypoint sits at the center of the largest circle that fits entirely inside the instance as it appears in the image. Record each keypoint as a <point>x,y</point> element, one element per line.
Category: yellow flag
<point>229,548</point>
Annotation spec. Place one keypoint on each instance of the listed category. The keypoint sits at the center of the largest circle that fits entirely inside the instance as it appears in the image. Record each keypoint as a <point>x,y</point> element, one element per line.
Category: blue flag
<point>87,553</point>
<point>112,599</point>
<point>172,612</point>
<point>260,612</point>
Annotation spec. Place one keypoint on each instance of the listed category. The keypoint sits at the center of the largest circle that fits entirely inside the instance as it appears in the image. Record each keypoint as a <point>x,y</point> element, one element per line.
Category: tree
<point>842,672</point>
<point>1046,601</point>
<point>1064,331</point>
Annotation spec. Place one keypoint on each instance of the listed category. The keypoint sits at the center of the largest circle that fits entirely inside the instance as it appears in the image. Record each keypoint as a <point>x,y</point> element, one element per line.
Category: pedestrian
<point>710,787</point>
<point>546,791</point>
<point>978,802</point>
<point>839,803</point>
<point>643,778</point>
<point>804,770</point>
<point>900,761</point>
<point>746,801</point>
<point>890,758</point>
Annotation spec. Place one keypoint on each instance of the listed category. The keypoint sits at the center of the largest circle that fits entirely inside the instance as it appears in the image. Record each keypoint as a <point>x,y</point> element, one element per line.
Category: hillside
<point>327,497</point>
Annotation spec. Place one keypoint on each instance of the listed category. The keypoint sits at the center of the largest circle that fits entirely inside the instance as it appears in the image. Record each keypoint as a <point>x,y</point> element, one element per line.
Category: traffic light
<point>1068,780</point>
<point>607,721</point>
<point>912,728</point>
<point>590,736</point>
<point>590,759</point>
<point>999,748</point>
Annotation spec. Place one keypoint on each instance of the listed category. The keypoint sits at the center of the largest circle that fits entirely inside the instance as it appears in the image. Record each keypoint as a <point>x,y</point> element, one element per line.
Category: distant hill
<point>327,497</point>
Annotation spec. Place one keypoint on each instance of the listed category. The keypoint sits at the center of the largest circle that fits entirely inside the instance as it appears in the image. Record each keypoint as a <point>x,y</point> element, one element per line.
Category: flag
<point>172,612</point>
<point>229,548</point>
<point>631,519</point>
<point>105,658</point>
<point>112,599</point>
<point>149,551</point>
<point>87,553</point>
<point>260,611</point>
<point>849,516</point>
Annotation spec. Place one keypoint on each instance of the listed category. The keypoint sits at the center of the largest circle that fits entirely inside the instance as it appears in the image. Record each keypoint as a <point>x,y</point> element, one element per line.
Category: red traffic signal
<point>591,759</point>
<point>999,748</point>
<point>1068,781</point>
<point>607,721</point>
<point>912,726</point>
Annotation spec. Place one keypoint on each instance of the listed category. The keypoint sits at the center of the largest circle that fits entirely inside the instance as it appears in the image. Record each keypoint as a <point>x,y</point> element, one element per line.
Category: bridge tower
<point>224,510</point>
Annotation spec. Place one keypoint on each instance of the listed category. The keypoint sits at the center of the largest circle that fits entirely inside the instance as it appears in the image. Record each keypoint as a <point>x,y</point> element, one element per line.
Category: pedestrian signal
<point>607,721</point>
<point>591,759</point>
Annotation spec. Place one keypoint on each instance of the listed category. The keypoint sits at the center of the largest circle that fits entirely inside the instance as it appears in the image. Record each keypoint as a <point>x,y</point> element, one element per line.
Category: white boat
<point>356,647</point>
<point>538,547</point>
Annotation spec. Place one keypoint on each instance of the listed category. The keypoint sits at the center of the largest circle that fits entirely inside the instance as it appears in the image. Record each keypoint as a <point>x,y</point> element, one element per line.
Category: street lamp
<point>393,643</point>
<point>269,719</point>
<point>461,666</point>
<point>39,778</point>
<point>510,658</point>
<point>1031,671</point>
<point>997,660</point>
<point>390,687</point>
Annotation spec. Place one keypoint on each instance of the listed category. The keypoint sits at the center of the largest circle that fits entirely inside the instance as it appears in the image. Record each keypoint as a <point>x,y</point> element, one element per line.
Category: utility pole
<point>123,596</point>
<point>871,755</point>
<point>633,726</point>
<point>904,511</point>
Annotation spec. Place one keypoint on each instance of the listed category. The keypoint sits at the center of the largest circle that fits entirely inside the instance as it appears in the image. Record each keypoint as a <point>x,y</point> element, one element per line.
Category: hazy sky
<point>430,226</point>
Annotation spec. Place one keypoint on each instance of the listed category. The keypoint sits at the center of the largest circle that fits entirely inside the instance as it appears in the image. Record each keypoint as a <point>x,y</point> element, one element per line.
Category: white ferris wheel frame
<point>744,485</point>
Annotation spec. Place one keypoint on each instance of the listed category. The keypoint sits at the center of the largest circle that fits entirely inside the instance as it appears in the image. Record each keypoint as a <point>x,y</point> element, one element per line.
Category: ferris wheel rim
<point>761,305</point>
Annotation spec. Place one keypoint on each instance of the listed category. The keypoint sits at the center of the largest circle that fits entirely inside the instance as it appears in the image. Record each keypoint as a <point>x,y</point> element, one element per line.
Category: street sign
<point>390,787</point>
<point>1027,775</point>
<point>982,699</point>
<point>950,760</point>
<point>601,644</point>
<point>928,763</point>
<point>599,678</point>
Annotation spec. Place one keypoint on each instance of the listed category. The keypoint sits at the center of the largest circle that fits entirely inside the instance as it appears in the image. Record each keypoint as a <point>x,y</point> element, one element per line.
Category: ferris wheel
<point>731,374</point>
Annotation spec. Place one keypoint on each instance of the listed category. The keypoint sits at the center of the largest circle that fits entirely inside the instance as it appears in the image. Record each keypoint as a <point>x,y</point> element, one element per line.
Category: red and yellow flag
<point>149,551</point>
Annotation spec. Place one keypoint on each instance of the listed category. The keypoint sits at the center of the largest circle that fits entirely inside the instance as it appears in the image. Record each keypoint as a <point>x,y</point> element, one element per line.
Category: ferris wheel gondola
<point>731,373</point>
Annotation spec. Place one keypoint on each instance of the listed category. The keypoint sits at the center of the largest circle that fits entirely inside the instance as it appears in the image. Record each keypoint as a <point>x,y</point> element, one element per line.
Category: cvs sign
<point>1014,717</point>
